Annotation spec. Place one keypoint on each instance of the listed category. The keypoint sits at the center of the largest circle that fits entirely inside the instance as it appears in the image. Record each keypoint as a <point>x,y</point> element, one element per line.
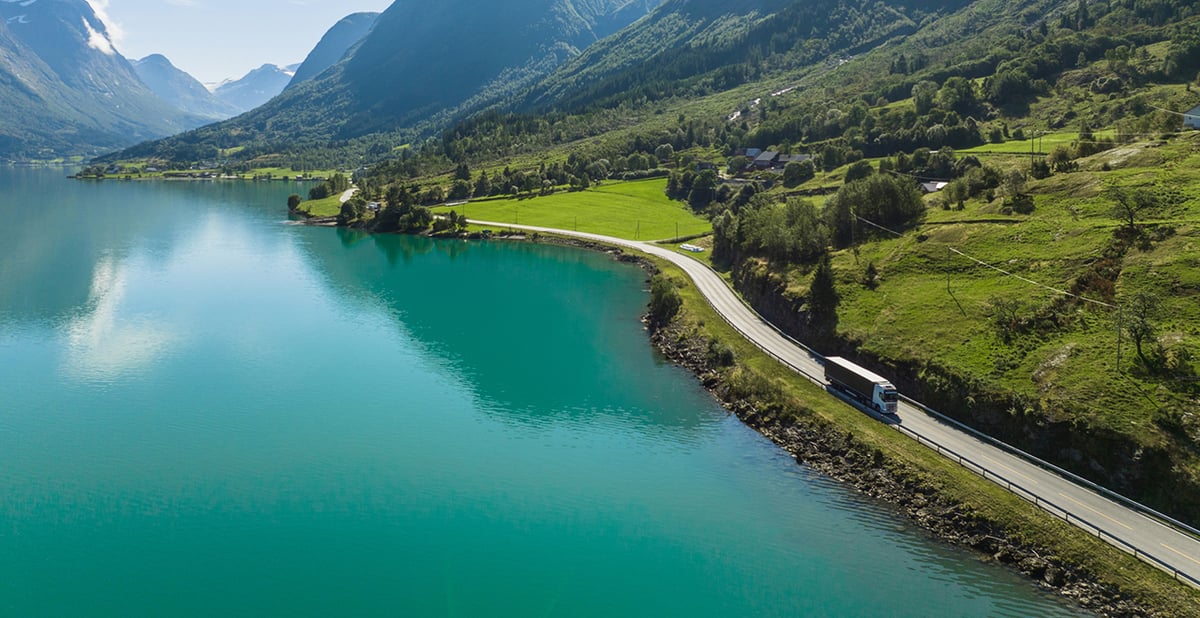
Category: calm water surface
<point>204,411</point>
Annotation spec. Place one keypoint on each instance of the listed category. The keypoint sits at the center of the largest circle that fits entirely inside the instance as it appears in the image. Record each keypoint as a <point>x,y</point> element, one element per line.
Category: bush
<point>665,300</point>
<point>720,354</point>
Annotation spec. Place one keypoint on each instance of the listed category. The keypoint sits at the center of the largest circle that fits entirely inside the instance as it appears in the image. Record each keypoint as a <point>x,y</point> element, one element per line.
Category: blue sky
<point>219,39</point>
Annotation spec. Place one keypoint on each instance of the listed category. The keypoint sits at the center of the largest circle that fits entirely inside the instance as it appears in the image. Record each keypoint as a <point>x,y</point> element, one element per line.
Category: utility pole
<point>676,231</point>
<point>1120,329</point>
<point>638,234</point>
<point>949,256</point>
<point>1032,148</point>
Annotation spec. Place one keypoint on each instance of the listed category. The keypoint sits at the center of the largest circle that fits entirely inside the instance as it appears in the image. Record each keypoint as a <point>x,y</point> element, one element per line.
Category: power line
<point>998,269</point>
<point>1031,281</point>
<point>1169,111</point>
<point>873,224</point>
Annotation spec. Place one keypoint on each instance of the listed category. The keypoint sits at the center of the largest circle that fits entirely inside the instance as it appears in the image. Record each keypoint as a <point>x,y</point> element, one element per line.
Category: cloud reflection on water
<point>103,344</point>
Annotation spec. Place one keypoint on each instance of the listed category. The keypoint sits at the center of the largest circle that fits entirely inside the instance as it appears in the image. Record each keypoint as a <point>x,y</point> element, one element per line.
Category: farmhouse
<point>1191,119</point>
<point>766,160</point>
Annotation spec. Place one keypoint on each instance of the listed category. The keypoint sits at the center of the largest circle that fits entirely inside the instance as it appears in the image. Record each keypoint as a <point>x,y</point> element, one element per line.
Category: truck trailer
<point>862,385</point>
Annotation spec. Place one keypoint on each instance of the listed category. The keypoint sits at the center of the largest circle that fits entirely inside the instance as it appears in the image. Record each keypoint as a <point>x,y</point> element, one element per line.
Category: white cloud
<point>98,41</point>
<point>116,35</point>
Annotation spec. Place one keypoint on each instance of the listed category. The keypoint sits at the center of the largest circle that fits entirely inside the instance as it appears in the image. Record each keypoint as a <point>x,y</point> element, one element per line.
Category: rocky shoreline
<point>839,456</point>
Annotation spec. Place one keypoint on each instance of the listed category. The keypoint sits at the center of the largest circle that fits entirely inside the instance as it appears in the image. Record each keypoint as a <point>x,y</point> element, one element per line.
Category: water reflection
<point>60,230</point>
<point>103,344</point>
<point>509,323</point>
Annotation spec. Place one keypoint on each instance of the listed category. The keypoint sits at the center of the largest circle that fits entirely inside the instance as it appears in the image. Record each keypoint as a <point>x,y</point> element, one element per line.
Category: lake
<point>206,411</point>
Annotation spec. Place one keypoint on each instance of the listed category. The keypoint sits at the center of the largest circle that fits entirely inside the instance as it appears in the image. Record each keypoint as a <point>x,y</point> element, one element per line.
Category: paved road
<point>1086,508</point>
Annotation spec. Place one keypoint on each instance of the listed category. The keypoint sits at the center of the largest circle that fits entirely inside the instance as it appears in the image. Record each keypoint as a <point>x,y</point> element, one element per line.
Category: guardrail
<point>1051,507</point>
<point>1014,488</point>
<point>1075,478</point>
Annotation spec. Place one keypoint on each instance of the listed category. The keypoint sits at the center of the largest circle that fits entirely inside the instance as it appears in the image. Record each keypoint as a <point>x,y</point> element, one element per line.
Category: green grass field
<point>279,172</point>
<point>328,207</point>
<point>1044,144</point>
<point>638,210</point>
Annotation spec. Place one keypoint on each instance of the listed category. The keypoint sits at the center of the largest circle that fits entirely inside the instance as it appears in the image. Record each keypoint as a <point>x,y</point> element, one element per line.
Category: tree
<point>1060,160</point>
<point>665,300</point>
<point>1130,203</point>
<point>704,189</point>
<point>859,170</point>
<point>460,190</point>
<point>1014,184</point>
<point>789,232</point>
<point>665,152</point>
<point>958,94</point>
<point>483,186</point>
<point>923,94</point>
<point>1140,314</point>
<point>352,210</point>
<point>318,192</point>
<point>294,201</point>
<point>882,199</point>
<point>796,173</point>
<point>957,193</point>
<point>725,237</point>
<point>822,293</point>
<point>1005,314</point>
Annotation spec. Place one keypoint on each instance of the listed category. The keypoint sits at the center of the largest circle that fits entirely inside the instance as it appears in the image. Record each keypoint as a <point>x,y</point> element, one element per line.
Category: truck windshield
<point>890,396</point>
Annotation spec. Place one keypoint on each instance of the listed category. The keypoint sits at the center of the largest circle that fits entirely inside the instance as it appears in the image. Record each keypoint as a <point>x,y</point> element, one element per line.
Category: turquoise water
<point>204,411</point>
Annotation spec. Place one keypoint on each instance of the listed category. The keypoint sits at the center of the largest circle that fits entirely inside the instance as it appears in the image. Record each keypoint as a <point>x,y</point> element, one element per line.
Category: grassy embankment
<point>1067,369</point>
<point>636,210</point>
<point>782,393</point>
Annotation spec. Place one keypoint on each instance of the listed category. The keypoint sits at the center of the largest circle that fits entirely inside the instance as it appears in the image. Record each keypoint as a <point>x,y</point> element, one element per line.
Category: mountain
<point>180,89</point>
<point>334,45</point>
<point>418,68</point>
<point>694,47</point>
<point>255,88</point>
<point>65,90</point>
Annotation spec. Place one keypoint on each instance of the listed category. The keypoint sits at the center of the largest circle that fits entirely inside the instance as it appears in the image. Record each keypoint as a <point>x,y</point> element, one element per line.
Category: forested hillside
<point>419,67</point>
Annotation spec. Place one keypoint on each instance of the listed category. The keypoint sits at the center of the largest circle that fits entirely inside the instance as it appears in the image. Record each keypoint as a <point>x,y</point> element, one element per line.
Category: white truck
<point>862,385</point>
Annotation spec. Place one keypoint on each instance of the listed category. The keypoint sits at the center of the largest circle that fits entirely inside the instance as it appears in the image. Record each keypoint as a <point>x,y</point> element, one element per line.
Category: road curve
<point>1165,547</point>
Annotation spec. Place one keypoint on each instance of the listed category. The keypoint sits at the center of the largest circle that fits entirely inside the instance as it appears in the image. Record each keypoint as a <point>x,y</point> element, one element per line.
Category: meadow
<point>636,210</point>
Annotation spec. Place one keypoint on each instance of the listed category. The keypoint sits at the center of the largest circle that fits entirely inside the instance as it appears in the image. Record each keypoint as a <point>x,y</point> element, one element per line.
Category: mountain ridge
<point>180,89</point>
<point>332,47</point>
<point>382,87</point>
<point>66,90</point>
